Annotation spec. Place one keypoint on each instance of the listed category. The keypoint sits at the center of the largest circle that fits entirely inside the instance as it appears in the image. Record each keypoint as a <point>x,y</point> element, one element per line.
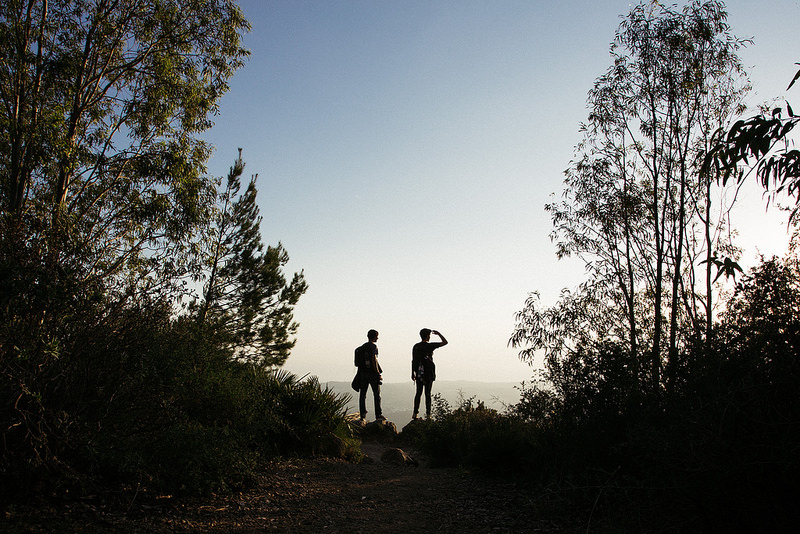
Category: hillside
<point>397,399</point>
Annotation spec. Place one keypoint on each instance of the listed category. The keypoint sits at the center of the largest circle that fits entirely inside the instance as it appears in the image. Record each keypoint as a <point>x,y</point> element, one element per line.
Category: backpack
<point>360,356</point>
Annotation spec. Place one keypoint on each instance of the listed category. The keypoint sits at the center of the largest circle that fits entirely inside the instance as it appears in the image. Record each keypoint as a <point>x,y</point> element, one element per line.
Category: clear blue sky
<point>405,151</point>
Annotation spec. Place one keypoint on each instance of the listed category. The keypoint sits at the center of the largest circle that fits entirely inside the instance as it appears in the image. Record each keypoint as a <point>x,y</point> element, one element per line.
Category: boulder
<point>381,430</point>
<point>355,421</point>
<point>398,457</point>
<point>414,429</point>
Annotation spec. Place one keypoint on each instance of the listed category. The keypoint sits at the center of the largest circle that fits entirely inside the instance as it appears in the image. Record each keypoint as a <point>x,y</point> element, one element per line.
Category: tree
<point>764,138</point>
<point>246,297</point>
<point>102,188</point>
<point>761,325</point>
<point>635,207</point>
<point>100,103</point>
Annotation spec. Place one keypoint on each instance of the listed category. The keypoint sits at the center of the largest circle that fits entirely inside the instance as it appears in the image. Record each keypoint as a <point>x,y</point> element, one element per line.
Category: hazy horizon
<point>397,398</point>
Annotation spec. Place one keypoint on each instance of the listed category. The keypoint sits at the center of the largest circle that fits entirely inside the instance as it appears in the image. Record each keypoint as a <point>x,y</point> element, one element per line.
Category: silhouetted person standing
<point>423,371</point>
<point>370,372</point>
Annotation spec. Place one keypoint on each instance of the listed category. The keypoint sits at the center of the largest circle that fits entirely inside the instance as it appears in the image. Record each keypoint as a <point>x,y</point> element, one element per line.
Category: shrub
<point>304,418</point>
<point>474,436</point>
<point>151,401</point>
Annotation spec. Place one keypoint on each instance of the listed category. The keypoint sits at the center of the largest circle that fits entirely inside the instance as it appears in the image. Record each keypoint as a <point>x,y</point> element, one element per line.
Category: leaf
<point>796,76</point>
<point>728,267</point>
<point>789,108</point>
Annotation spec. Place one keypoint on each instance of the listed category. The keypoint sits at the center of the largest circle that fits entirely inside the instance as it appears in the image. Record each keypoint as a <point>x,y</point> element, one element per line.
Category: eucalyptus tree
<point>635,208</point>
<point>246,298</point>
<point>101,103</point>
<point>102,189</point>
<point>761,144</point>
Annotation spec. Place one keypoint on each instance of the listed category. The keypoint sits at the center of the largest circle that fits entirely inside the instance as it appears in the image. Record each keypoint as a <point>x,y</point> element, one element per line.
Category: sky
<point>405,151</point>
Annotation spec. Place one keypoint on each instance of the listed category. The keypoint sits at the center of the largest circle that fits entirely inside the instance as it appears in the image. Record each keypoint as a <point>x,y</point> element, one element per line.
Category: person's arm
<point>442,341</point>
<point>374,356</point>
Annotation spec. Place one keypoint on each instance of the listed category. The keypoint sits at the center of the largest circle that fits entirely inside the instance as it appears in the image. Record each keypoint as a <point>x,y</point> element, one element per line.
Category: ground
<point>318,495</point>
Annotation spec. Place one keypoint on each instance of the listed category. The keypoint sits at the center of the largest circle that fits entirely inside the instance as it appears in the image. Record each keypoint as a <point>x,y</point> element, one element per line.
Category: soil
<point>317,495</point>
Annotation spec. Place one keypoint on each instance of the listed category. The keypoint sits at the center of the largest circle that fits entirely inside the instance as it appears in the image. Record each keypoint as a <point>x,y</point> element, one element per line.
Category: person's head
<point>425,334</point>
<point>372,335</point>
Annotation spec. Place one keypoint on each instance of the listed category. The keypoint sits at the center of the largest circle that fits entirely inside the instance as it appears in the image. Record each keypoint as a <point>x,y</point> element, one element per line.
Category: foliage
<point>635,207</point>
<point>474,436</point>
<point>152,401</point>
<point>719,441</point>
<point>720,446</point>
<point>104,211</point>
<point>762,321</point>
<point>101,103</point>
<point>765,139</point>
<point>100,184</point>
<point>246,297</point>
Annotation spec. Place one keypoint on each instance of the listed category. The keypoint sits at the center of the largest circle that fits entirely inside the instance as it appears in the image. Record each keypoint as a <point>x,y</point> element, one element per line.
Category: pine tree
<point>247,299</point>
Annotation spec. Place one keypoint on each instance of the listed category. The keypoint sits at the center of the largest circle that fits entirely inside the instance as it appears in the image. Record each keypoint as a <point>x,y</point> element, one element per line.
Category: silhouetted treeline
<point>717,453</point>
<point>141,315</point>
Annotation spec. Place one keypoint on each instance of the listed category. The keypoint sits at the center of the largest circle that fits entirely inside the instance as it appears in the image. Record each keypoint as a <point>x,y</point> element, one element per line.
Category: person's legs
<point>376,395</point>
<point>418,396</point>
<point>362,395</point>
<point>428,387</point>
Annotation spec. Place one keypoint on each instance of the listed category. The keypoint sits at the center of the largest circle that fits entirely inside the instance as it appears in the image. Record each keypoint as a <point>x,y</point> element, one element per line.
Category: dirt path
<point>321,495</point>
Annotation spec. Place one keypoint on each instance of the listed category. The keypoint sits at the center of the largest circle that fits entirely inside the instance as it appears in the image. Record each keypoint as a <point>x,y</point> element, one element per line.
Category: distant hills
<point>397,399</point>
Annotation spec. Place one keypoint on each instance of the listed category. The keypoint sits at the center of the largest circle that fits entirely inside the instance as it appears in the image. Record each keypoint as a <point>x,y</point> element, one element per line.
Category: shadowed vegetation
<point>721,448</point>
<point>143,321</point>
<point>142,318</point>
<point>667,401</point>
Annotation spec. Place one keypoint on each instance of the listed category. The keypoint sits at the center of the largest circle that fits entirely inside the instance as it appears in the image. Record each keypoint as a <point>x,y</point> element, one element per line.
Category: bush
<point>305,418</point>
<point>474,436</point>
<point>150,401</point>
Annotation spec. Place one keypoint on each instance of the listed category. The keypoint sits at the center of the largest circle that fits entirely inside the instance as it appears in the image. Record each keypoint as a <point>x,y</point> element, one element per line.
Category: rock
<point>381,430</point>
<point>398,457</point>
<point>415,427</point>
<point>413,432</point>
<point>355,421</point>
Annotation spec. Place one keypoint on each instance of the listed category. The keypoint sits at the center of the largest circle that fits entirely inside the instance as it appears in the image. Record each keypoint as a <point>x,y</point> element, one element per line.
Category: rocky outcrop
<point>398,457</point>
<point>381,430</point>
<point>378,441</point>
